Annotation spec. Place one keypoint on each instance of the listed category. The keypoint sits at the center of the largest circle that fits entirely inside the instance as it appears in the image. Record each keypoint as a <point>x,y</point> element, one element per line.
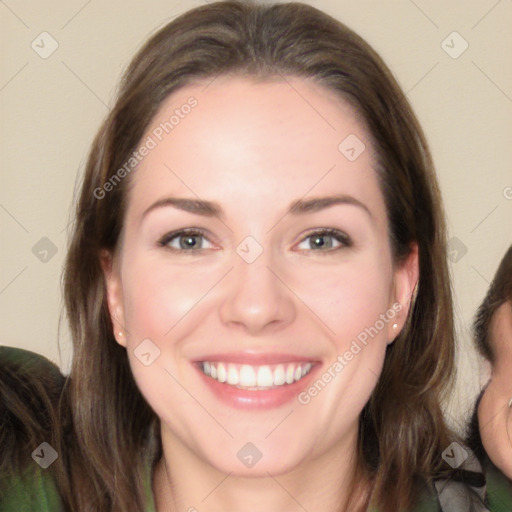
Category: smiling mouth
<point>255,377</point>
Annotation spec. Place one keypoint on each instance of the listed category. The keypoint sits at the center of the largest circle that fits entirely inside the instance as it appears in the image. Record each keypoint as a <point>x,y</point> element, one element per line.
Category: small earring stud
<point>120,333</point>
<point>395,326</point>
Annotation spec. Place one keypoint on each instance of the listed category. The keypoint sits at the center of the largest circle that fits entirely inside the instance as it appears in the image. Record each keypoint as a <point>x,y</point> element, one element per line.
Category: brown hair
<point>402,430</point>
<point>498,293</point>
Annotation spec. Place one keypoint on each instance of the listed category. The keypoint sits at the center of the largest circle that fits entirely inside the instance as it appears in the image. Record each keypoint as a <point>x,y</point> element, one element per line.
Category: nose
<point>257,297</point>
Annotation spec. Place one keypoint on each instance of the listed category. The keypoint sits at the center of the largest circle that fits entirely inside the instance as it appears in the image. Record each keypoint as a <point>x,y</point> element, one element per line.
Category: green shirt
<point>36,491</point>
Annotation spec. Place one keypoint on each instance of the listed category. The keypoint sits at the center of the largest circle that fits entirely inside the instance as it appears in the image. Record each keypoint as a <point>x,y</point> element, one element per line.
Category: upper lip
<point>255,358</point>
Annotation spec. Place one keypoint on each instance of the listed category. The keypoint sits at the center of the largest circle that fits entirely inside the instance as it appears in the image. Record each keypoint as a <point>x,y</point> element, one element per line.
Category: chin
<point>268,463</point>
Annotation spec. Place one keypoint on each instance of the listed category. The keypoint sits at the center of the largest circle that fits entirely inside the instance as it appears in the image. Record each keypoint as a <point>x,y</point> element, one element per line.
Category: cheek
<point>157,296</point>
<point>159,305</point>
<point>353,302</point>
<point>350,297</point>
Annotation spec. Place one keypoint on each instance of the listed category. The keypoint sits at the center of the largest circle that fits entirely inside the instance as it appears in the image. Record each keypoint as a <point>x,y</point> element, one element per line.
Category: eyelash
<point>339,236</point>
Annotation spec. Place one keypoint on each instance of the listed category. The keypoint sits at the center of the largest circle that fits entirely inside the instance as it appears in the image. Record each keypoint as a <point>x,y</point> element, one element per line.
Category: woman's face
<point>296,321</point>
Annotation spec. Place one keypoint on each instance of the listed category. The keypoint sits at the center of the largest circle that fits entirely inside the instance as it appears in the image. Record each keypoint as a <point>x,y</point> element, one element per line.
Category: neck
<point>184,482</point>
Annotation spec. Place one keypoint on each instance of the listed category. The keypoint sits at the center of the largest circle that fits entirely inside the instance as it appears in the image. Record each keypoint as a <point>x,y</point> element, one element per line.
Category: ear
<point>114,295</point>
<point>405,281</point>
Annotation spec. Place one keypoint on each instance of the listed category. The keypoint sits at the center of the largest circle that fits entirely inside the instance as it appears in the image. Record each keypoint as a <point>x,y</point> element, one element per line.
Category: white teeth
<point>256,377</point>
<point>289,373</point>
<point>247,376</point>
<point>221,372</point>
<point>265,377</point>
<point>232,375</point>
<point>279,376</point>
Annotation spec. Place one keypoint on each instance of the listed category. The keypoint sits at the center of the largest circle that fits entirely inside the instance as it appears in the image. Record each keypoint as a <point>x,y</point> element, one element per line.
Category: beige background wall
<point>52,106</point>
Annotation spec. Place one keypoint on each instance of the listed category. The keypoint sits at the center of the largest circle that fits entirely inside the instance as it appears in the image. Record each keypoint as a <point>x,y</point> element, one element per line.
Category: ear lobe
<point>114,295</point>
<point>405,284</point>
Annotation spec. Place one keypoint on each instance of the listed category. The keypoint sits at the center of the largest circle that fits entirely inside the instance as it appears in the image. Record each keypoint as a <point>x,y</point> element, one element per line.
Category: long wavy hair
<point>109,432</point>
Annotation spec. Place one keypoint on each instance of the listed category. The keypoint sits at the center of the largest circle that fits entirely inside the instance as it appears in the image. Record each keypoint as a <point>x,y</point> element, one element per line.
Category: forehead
<point>242,141</point>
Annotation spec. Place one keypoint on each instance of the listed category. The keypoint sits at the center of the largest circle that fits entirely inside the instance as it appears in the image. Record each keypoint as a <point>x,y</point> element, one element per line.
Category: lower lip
<point>266,399</point>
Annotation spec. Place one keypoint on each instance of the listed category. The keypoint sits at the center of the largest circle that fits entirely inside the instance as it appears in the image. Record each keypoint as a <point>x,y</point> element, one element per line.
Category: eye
<point>184,240</point>
<point>323,238</point>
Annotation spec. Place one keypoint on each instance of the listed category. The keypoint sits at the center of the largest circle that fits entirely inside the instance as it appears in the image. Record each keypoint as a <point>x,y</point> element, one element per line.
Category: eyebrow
<point>297,207</point>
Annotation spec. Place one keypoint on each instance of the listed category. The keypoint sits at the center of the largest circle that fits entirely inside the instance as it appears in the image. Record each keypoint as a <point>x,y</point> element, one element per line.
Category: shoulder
<point>472,484</point>
<point>499,488</point>
<point>32,489</point>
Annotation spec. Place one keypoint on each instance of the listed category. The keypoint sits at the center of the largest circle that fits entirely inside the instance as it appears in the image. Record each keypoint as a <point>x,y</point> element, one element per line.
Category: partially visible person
<point>30,392</point>
<point>491,427</point>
